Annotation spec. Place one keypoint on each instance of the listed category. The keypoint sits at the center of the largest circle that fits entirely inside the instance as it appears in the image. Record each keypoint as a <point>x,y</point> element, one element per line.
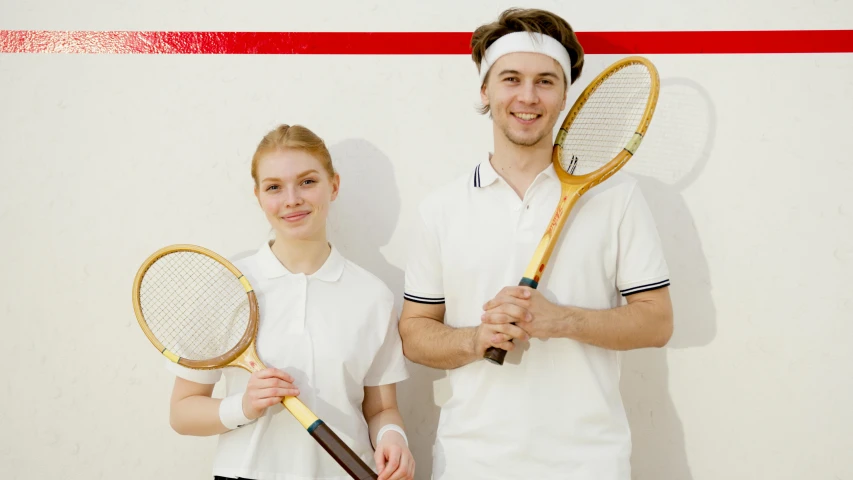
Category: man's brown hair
<point>529,20</point>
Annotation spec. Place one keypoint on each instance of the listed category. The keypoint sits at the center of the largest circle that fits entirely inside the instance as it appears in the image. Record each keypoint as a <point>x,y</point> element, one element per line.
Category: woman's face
<point>295,191</point>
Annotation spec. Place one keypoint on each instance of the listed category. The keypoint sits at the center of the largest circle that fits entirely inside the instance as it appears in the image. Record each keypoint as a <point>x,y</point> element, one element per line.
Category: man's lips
<point>526,118</point>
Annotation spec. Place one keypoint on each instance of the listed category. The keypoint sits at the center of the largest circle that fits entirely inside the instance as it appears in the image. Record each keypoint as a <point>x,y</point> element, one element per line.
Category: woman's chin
<point>300,234</point>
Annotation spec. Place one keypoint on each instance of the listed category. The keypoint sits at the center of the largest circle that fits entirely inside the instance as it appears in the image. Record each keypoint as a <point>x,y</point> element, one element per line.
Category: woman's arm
<point>393,458</point>
<point>194,412</point>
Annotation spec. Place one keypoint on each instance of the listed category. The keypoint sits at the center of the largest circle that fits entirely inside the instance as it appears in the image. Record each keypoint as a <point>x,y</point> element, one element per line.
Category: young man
<point>553,410</point>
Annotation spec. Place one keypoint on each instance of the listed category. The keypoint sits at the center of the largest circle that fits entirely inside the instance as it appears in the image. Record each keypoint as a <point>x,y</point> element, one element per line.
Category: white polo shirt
<point>553,410</point>
<point>335,332</point>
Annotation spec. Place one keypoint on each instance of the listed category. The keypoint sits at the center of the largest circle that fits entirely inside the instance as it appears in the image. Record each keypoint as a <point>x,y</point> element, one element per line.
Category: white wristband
<point>393,427</point>
<point>231,412</point>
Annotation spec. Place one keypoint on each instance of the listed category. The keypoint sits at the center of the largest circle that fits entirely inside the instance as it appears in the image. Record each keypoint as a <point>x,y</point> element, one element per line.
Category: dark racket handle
<point>494,354</point>
<point>345,457</point>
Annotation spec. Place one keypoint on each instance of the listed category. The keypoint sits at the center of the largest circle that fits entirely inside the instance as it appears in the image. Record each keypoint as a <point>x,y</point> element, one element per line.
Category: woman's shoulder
<point>365,282</point>
<point>245,261</point>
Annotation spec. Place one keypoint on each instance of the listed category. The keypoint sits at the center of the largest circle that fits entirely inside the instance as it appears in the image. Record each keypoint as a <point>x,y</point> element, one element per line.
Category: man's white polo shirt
<point>553,410</point>
<point>335,332</point>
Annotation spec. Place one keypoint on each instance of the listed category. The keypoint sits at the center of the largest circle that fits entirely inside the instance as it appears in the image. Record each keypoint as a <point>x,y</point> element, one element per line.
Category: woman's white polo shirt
<point>335,331</point>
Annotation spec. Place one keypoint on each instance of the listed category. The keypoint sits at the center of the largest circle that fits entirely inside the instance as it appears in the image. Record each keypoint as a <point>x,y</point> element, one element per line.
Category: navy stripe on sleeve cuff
<point>645,288</point>
<point>416,299</point>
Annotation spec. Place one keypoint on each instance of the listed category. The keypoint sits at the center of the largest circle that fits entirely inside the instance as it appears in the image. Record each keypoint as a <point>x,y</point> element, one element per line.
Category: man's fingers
<point>497,318</point>
<point>512,307</point>
<point>508,346</point>
<point>509,295</point>
<point>513,331</point>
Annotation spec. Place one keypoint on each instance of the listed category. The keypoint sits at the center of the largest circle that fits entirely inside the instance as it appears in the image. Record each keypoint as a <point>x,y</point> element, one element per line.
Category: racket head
<point>607,122</point>
<point>194,306</point>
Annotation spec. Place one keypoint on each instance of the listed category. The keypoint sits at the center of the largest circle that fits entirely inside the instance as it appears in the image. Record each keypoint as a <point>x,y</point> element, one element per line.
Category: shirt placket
<point>302,305</point>
<point>526,217</point>
<point>527,232</point>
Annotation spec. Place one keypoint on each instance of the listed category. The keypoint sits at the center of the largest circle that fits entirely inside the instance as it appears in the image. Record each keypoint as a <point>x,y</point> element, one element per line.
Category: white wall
<point>746,166</point>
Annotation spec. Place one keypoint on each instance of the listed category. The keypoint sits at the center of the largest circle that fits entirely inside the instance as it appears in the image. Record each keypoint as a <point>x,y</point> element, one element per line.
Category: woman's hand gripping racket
<point>600,134</point>
<point>200,312</point>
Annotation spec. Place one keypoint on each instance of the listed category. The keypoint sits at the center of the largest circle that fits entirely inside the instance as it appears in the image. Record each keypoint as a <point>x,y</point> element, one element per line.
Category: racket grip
<point>497,355</point>
<point>339,450</point>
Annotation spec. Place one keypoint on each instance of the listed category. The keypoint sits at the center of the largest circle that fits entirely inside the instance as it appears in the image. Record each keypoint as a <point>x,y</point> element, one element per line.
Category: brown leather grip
<point>339,450</point>
<point>495,355</point>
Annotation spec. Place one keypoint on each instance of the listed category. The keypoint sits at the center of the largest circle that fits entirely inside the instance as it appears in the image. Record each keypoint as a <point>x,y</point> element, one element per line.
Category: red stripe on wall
<point>412,43</point>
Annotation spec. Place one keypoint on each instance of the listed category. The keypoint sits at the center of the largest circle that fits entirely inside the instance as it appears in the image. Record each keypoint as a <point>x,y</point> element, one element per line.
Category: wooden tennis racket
<point>200,312</point>
<point>601,132</point>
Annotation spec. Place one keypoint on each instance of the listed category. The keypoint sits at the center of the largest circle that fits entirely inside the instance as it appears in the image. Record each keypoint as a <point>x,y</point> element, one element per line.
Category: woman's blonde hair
<point>294,137</point>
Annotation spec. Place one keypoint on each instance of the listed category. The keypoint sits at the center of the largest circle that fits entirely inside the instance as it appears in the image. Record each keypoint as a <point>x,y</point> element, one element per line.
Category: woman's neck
<point>301,256</point>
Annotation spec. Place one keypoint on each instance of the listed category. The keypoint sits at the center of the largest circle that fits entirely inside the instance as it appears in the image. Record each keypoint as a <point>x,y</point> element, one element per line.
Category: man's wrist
<point>570,319</point>
<point>471,344</point>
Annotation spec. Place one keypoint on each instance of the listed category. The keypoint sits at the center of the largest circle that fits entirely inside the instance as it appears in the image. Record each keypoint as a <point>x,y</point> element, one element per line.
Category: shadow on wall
<point>677,148</point>
<point>362,221</point>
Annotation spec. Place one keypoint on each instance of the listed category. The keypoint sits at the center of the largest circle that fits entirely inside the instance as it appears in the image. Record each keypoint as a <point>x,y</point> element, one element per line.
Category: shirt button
<point>527,207</point>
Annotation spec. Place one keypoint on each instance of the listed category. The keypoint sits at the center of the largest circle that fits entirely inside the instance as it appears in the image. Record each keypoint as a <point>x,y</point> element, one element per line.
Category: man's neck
<point>519,165</point>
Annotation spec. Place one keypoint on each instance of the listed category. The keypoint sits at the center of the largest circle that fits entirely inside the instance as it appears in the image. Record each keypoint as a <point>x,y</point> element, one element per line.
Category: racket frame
<point>572,187</point>
<point>244,355</point>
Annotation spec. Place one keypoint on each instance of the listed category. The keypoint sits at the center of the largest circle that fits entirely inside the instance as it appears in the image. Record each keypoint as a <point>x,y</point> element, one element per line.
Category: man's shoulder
<point>616,190</point>
<point>447,195</point>
<point>620,182</point>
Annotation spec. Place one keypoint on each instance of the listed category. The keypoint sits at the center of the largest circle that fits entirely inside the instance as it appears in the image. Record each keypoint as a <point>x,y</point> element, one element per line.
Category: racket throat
<point>536,268</point>
<point>249,360</point>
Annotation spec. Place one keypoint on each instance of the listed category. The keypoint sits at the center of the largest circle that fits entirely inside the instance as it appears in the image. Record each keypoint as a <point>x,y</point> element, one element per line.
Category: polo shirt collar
<point>485,174</point>
<point>271,267</point>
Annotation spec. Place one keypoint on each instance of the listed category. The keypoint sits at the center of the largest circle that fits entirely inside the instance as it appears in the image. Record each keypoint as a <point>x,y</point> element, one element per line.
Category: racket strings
<point>608,120</point>
<point>194,305</point>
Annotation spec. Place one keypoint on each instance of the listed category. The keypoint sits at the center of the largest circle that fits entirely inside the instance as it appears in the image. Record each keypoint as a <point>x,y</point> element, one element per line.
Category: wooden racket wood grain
<point>244,355</point>
<point>572,187</point>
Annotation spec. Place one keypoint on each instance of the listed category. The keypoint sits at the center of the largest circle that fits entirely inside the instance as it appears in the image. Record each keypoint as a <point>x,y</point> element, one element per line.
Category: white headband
<point>526,42</point>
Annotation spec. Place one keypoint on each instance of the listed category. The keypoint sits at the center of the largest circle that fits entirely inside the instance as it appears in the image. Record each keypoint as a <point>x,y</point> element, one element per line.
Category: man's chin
<point>525,140</point>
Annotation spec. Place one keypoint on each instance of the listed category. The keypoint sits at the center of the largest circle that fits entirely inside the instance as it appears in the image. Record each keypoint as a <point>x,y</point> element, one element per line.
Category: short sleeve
<point>193,375</point>
<point>641,265</point>
<point>389,364</point>
<point>423,269</point>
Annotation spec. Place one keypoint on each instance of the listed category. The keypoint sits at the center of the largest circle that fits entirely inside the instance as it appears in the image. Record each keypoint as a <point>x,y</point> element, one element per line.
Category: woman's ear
<point>336,185</point>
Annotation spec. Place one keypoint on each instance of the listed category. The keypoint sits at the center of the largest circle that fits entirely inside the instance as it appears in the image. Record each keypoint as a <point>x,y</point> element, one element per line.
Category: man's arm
<point>646,321</point>
<point>428,341</point>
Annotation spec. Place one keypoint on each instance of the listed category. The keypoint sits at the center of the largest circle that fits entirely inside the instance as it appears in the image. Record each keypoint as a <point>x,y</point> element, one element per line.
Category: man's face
<point>525,93</point>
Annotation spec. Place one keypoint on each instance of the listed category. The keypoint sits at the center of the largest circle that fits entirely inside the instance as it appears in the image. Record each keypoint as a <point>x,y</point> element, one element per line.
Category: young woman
<point>328,332</point>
